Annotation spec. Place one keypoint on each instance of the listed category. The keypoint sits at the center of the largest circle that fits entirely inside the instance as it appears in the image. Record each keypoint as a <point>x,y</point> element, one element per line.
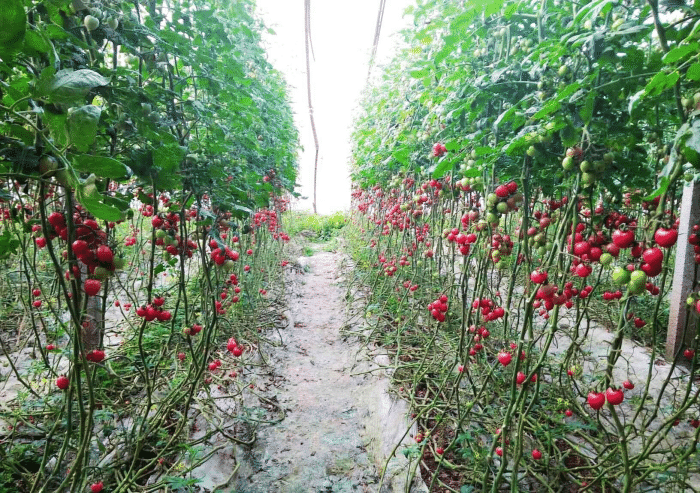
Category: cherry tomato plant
<point>146,150</point>
<point>516,201</point>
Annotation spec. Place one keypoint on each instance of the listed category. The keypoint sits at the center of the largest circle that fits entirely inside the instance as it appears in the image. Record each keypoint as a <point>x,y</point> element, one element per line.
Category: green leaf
<point>22,133</point>
<point>102,166</point>
<point>592,10</point>
<point>240,211</point>
<point>68,86</point>
<point>445,165</point>
<point>505,116</point>
<point>492,7</point>
<point>471,172</point>
<point>122,205</point>
<point>166,160</point>
<point>568,91</point>
<point>660,82</point>
<point>679,52</point>
<point>551,106</point>
<point>401,155</point>
<point>8,244</point>
<point>179,483</point>
<point>483,151</point>
<point>587,111</point>
<point>441,168</point>
<point>82,126</point>
<point>554,104</point>
<point>57,127</point>
<point>13,20</point>
<point>689,142</point>
<point>635,99</point>
<point>569,136</point>
<point>663,186</point>
<point>93,202</point>
<point>419,74</point>
<point>35,42</point>
<point>693,72</point>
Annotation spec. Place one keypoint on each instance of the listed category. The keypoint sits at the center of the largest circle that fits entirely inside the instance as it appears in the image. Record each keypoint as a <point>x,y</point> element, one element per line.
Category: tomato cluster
<point>166,227</point>
<point>154,311</point>
<point>438,308</point>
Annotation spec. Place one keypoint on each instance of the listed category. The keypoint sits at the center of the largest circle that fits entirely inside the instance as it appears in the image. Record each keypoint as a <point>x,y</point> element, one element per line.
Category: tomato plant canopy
<point>178,96</point>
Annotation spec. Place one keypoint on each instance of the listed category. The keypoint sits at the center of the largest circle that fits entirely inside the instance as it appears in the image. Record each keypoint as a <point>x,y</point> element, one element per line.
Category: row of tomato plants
<point>475,295</point>
<point>138,140</point>
<point>182,291</point>
<point>518,178</point>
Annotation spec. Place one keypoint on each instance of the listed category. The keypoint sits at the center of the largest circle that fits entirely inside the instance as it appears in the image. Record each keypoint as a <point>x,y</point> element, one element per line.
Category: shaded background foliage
<point>491,79</point>
<point>186,97</point>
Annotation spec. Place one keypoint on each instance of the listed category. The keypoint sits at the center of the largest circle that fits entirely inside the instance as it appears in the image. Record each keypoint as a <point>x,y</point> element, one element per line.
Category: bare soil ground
<point>339,424</point>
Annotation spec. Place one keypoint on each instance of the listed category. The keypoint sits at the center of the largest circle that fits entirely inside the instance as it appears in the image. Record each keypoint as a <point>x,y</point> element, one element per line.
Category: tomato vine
<point>520,176</point>
<point>140,142</point>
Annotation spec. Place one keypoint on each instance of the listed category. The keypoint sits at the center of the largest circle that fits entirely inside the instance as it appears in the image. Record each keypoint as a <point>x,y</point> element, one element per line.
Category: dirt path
<point>338,427</point>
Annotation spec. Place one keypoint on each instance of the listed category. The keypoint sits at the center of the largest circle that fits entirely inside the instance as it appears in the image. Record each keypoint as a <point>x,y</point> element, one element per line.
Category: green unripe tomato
<point>91,22</point>
<point>620,275</point>
<point>588,178</point>
<point>567,163</point>
<point>638,276</point>
<point>563,70</point>
<point>586,166</point>
<point>636,288</point>
<point>48,166</point>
